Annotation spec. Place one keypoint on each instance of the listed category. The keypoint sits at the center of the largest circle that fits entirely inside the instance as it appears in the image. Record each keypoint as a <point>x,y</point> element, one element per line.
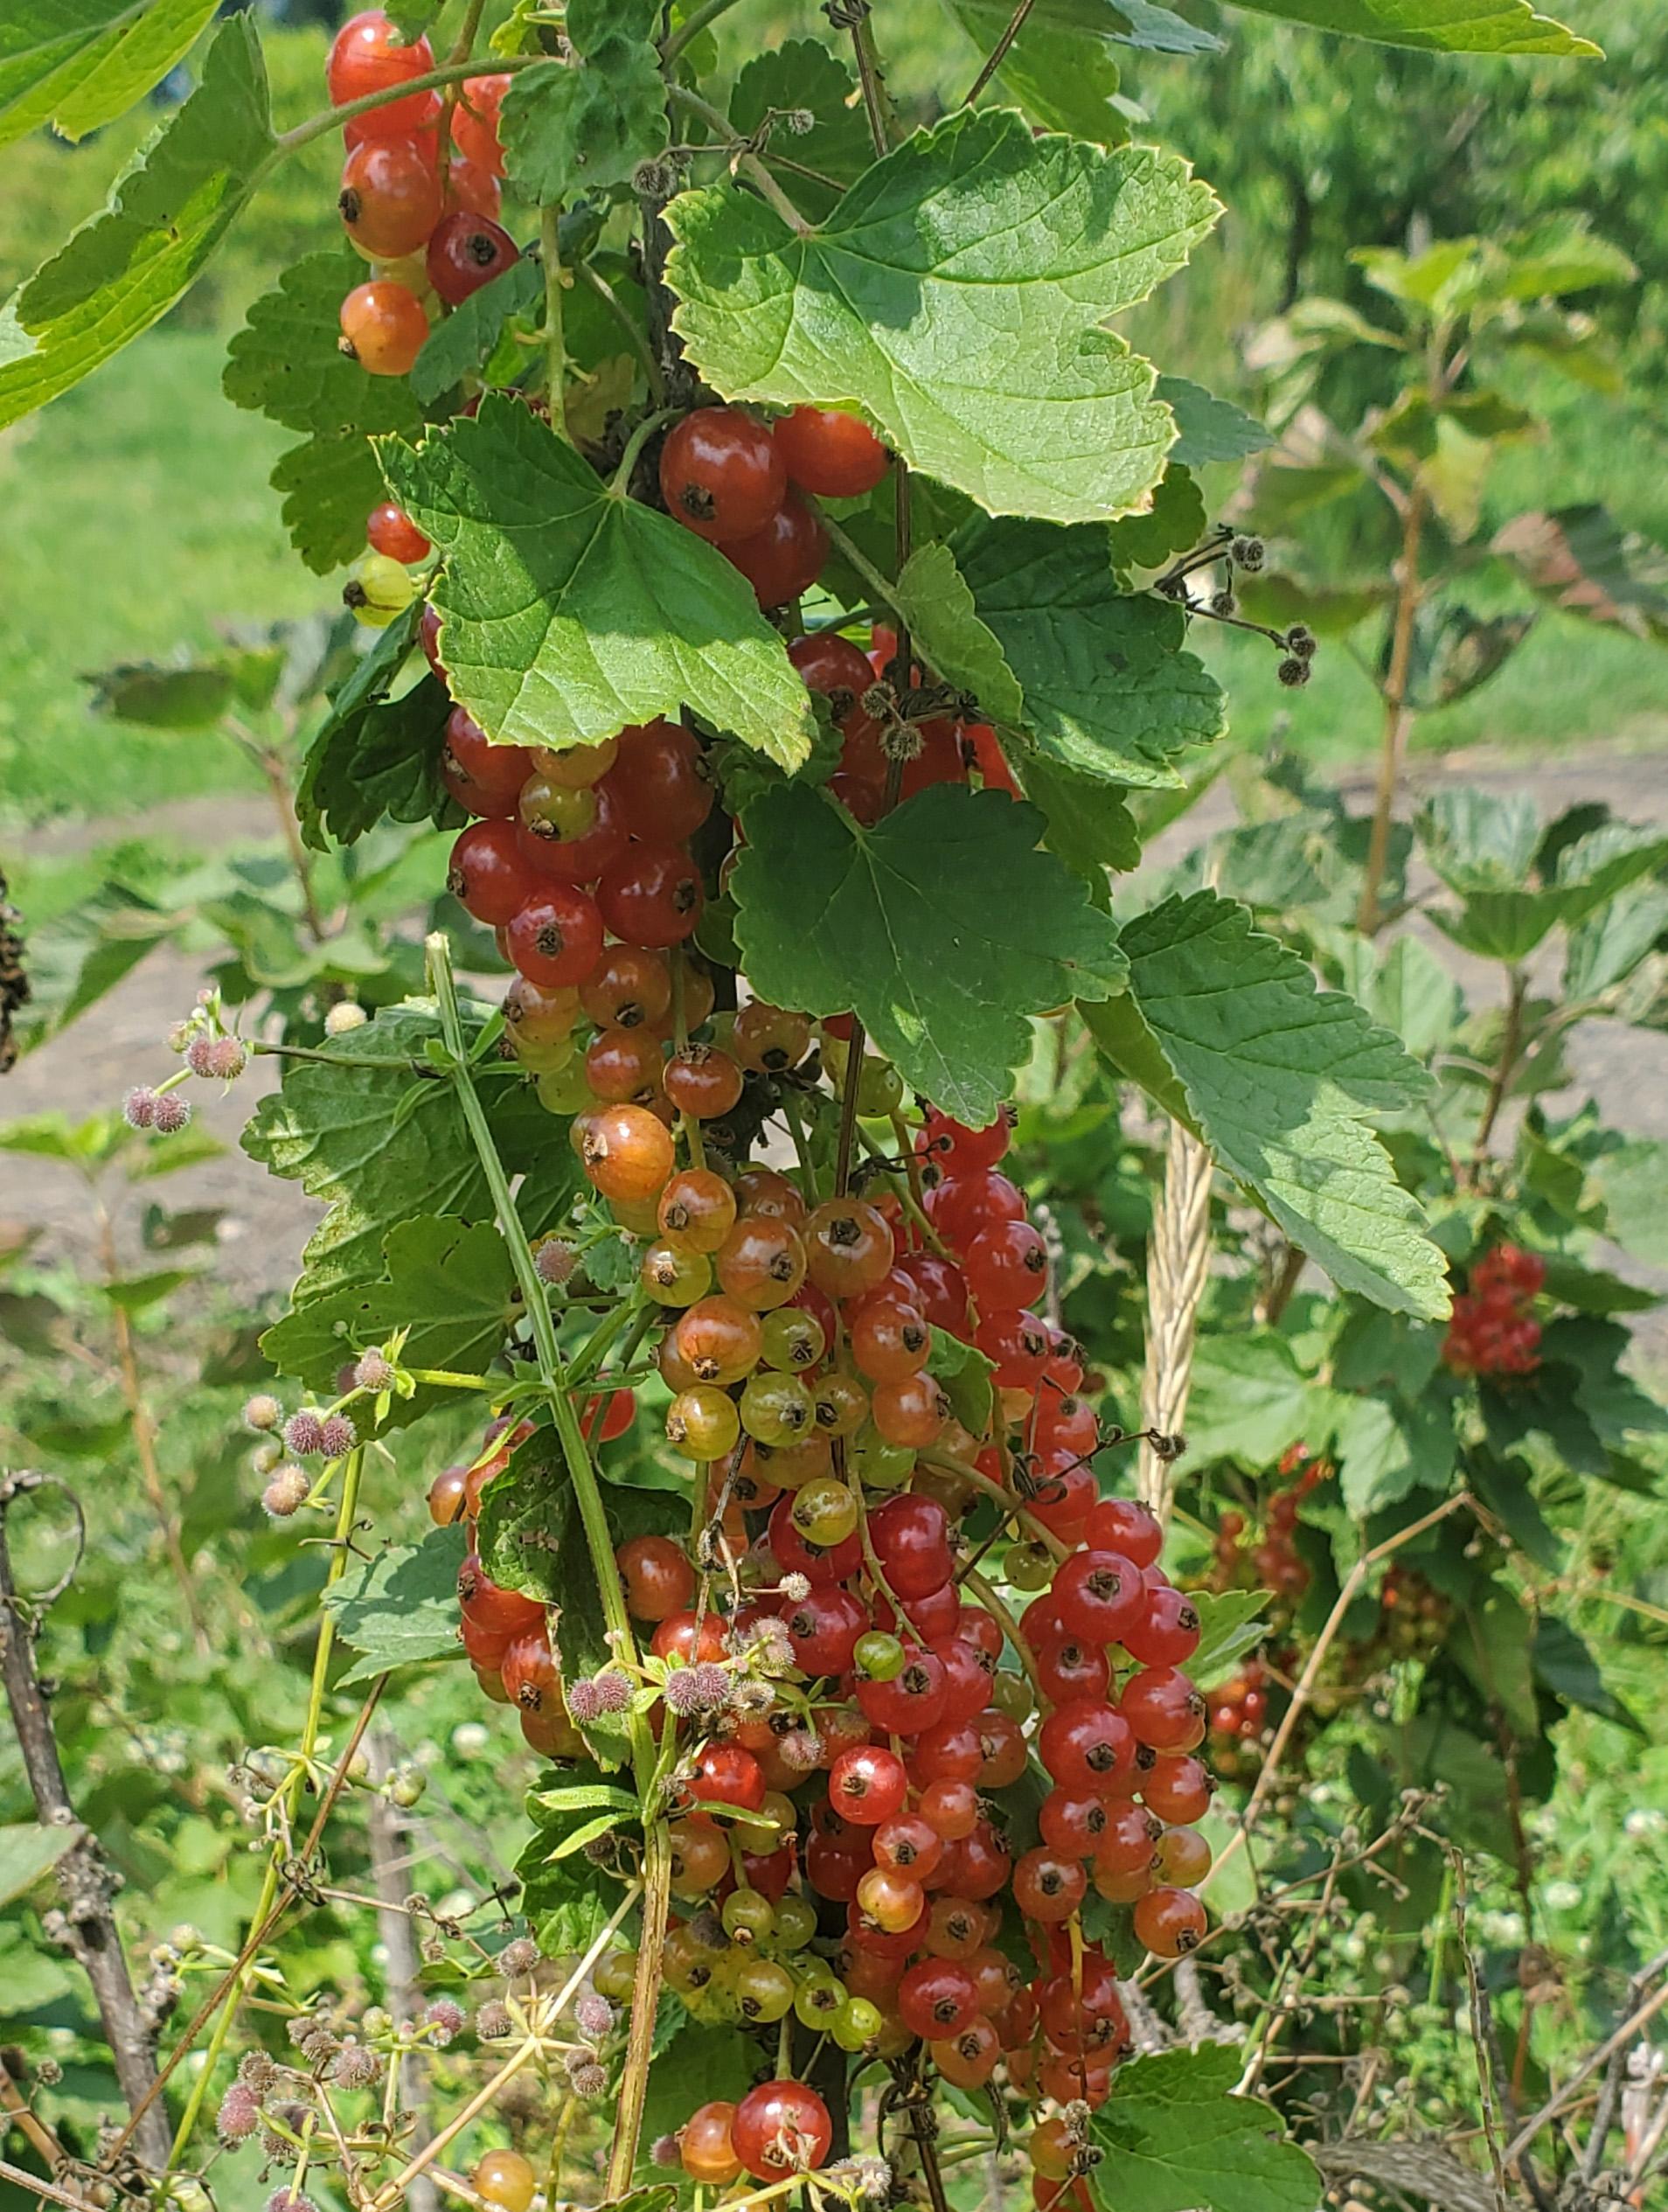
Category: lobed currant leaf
<point>956,298</point>
<point>1227,1029</point>
<point>567,129</point>
<point>287,362</point>
<point>569,610</point>
<point>458,346</point>
<point>447,1284</point>
<point>932,596</point>
<point>1208,428</point>
<point>399,1606</point>
<point>803,74</point>
<point>1090,826</point>
<point>375,754</point>
<point>1176,2139</point>
<point>942,928</point>
<point>168,211</point>
<point>28,1851</point>
<point>1109,692</point>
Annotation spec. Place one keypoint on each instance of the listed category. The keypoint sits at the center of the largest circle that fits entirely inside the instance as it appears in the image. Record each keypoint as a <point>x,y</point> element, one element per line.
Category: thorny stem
<point>1396,716</point>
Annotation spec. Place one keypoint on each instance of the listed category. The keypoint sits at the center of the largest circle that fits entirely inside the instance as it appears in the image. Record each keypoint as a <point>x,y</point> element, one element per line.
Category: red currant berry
<point>830,453</point>
<point>720,473</point>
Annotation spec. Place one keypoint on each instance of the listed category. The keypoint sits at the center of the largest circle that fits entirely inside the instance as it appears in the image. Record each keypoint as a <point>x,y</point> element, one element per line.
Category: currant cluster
<point>1492,1330</point>
<point>1242,1560</point>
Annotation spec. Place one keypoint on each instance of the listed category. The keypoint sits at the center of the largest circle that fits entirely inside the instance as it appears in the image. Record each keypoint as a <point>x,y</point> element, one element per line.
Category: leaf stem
<point>450,73</point>
<point>551,1371</point>
<point>620,482</point>
<point>748,161</point>
<point>998,54</point>
<point>645,2003</point>
<point>550,253</point>
<point>860,561</point>
<point>686,35</point>
<point>617,308</point>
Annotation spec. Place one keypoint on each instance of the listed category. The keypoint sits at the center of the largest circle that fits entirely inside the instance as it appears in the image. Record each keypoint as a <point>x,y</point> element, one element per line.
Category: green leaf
<point>568,611</point>
<point>955,297</point>
<point>1581,560</point>
<point>378,1141</point>
<point>1090,826</point>
<point>933,597</point>
<point>188,698</point>
<point>1176,2139</point>
<point>1231,1623</point>
<point>803,74</point>
<point>1175,524</point>
<point>942,928</point>
<point>1565,1665</point>
<point>1109,692</point>
<point>1435,26</point>
<point>1387,1446</point>
<point>1251,1401</point>
<point>531,1539</point>
<point>287,361</point>
<point>1062,67</point>
<point>965,1372</point>
<point>449,1284</point>
<point>139,1291</point>
<point>1281,1080</point>
<point>460,344</point>
<point>400,1606</point>
<point>28,1850</point>
<point>567,129</point>
<point>79,64</point>
<point>1477,841</point>
<point>570,1901</point>
<point>170,210</point>
<point>1208,428</point>
<point>374,757</point>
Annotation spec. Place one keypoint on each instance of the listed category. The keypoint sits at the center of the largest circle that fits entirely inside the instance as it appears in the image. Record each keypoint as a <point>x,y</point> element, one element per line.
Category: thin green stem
<point>552,1373</point>
<point>450,73</point>
<point>686,33</point>
<point>860,561</point>
<point>617,308</point>
<point>550,253</point>
<point>748,161</point>
<point>346,1510</point>
<point>620,482</point>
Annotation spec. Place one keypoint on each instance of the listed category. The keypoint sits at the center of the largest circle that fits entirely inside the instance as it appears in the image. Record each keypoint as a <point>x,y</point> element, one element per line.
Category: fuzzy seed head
<point>519,1956</point>
<point>262,1412</point>
<point>445,2016</point>
<point>356,2067</point>
<point>344,1017</point>
<point>682,1694</point>
<point>800,1750</point>
<point>555,1260</point>
<point>336,1436</point>
<point>289,2200</point>
<point>238,2116</point>
<point>304,1434</point>
<point>221,1057</point>
<point>139,1107</point>
<point>179,1036</point>
<point>172,1114</point>
<point>256,2071</point>
<point>373,1371</point>
<point>613,1690</point>
<point>1295,673</point>
<point>796,1587</point>
<point>492,2020</point>
<point>594,2015</point>
<point>584,1704</point>
<point>664,2151</point>
<point>588,2077</point>
<point>286,1493</point>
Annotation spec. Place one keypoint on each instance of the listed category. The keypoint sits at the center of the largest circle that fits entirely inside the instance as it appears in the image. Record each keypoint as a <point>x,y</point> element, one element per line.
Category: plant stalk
<point>1397,716</point>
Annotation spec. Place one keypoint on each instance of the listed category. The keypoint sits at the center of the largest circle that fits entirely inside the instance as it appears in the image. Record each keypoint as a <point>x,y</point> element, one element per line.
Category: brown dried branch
<point>87,1924</point>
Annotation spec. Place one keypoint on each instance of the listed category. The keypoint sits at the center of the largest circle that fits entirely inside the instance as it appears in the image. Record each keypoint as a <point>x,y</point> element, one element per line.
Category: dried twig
<point>386,1838</point>
<point>85,1876</point>
<point>1178,1256</point>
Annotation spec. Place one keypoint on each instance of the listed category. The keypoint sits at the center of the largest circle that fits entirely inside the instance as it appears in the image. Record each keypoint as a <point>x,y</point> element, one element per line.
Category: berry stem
<point>551,1369</point>
<point>1012,1629</point>
<point>859,560</point>
<point>450,73</point>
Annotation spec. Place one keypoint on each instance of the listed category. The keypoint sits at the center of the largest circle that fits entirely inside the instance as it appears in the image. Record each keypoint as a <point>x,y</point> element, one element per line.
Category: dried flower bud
<point>519,1956</point>
<point>262,1412</point>
<point>238,2116</point>
<point>493,2020</point>
<point>286,1493</point>
<point>336,1436</point>
<point>445,2016</point>
<point>555,1260</point>
<point>594,2014</point>
<point>373,1371</point>
<point>356,2067</point>
<point>171,1114</point>
<point>304,1434</point>
<point>139,1107</point>
<point>344,1017</point>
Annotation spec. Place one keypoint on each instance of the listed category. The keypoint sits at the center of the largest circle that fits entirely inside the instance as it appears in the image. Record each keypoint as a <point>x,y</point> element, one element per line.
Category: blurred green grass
<point>139,513</point>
